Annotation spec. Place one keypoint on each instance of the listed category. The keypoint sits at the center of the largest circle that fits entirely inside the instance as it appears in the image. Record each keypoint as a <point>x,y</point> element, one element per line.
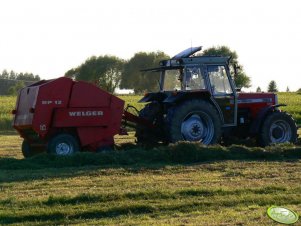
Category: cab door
<point>223,92</point>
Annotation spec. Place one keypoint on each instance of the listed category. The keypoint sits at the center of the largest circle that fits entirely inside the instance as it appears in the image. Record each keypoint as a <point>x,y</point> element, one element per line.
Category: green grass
<point>7,104</point>
<point>182,184</point>
<point>293,102</point>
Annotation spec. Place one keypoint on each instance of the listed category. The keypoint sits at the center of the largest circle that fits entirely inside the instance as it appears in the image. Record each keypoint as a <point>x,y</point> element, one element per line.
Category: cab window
<point>219,81</point>
<point>194,78</point>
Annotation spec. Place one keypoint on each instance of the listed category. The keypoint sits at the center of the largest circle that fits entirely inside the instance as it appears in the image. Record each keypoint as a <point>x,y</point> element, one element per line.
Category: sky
<point>50,37</point>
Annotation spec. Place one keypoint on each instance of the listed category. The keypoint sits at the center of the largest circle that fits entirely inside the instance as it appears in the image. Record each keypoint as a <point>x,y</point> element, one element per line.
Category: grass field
<point>145,187</point>
<point>182,184</point>
<point>293,102</point>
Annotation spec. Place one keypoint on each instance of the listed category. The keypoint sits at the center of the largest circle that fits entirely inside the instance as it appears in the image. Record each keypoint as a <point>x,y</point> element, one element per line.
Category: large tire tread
<point>176,114</point>
<point>63,138</point>
<point>264,137</point>
<point>26,149</point>
<point>145,135</point>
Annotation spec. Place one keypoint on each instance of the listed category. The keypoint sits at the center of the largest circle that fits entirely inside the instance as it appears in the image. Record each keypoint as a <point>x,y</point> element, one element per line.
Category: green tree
<point>10,79</point>
<point>28,77</point>
<point>134,78</point>
<point>103,71</point>
<point>14,90</point>
<point>272,86</point>
<point>5,74</point>
<point>258,90</point>
<point>241,79</point>
<point>12,75</point>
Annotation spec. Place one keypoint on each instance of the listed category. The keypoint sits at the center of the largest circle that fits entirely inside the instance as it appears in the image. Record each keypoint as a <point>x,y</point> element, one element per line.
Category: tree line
<point>272,87</point>
<point>11,82</point>
<point>110,72</point>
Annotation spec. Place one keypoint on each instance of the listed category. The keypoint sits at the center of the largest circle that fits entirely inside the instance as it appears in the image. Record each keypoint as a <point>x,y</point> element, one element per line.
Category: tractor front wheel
<point>63,144</point>
<point>278,127</point>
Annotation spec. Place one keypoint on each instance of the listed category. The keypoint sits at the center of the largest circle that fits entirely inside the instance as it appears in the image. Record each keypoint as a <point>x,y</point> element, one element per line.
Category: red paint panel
<point>93,135</point>
<point>88,95</point>
<point>117,108</point>
<point>255,101</point>
<point>53,94</point>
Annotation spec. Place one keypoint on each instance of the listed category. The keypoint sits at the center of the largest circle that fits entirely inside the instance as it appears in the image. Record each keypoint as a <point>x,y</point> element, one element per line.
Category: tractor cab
<point>190,76</point>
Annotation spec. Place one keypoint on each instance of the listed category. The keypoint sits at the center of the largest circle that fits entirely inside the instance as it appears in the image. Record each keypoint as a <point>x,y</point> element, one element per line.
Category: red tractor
<point>198,101</point>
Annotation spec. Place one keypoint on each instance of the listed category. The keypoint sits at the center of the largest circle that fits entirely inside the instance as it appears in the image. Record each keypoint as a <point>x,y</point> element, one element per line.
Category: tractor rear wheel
<point>63,144</point>
<point>195,120</point>
<point>278,127</point>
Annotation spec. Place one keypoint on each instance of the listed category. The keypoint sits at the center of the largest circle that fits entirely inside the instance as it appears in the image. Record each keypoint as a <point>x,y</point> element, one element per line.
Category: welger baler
<point>64,116</point>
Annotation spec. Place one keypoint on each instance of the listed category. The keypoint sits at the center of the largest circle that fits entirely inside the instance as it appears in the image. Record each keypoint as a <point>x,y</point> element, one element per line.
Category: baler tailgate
<point>26,101</point>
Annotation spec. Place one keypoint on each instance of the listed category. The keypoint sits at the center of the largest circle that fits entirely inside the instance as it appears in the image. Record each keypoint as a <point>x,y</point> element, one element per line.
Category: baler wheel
<point>63,144</point>
<point>194,120</point>
<point>278,127</point>
<point>26,149</point>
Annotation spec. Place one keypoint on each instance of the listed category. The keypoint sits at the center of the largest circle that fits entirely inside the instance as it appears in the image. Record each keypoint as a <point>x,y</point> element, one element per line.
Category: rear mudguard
<point>181,96</point>
<point>255,126</point>
<point>150,97</point>
<point>175,97</point>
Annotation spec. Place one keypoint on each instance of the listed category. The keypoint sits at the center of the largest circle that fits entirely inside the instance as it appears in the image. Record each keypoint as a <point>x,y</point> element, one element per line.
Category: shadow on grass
<point>93,214</point>
<point>142,209</point>
<point>157,194</point>
<point>137,157</point>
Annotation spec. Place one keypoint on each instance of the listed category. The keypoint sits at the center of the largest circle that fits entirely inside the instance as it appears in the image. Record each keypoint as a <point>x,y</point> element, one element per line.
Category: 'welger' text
<point>85,113</point>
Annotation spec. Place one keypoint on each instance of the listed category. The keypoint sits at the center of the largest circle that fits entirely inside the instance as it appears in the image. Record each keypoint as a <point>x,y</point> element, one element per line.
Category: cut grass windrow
<point>182,152</point>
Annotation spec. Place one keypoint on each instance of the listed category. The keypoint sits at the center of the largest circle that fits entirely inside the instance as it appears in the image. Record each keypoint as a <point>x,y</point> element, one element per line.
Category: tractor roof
<point>186,57</point>
<point>187,52</point>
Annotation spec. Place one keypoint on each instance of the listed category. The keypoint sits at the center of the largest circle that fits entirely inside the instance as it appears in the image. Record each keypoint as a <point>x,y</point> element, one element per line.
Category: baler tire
<point>63,145</point>
<point>26,149</point>
<point>194,120</point>
<point>277,127</point>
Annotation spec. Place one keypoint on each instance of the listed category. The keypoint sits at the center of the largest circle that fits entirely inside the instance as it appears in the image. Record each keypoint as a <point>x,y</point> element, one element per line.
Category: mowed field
<point>182,184</point>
